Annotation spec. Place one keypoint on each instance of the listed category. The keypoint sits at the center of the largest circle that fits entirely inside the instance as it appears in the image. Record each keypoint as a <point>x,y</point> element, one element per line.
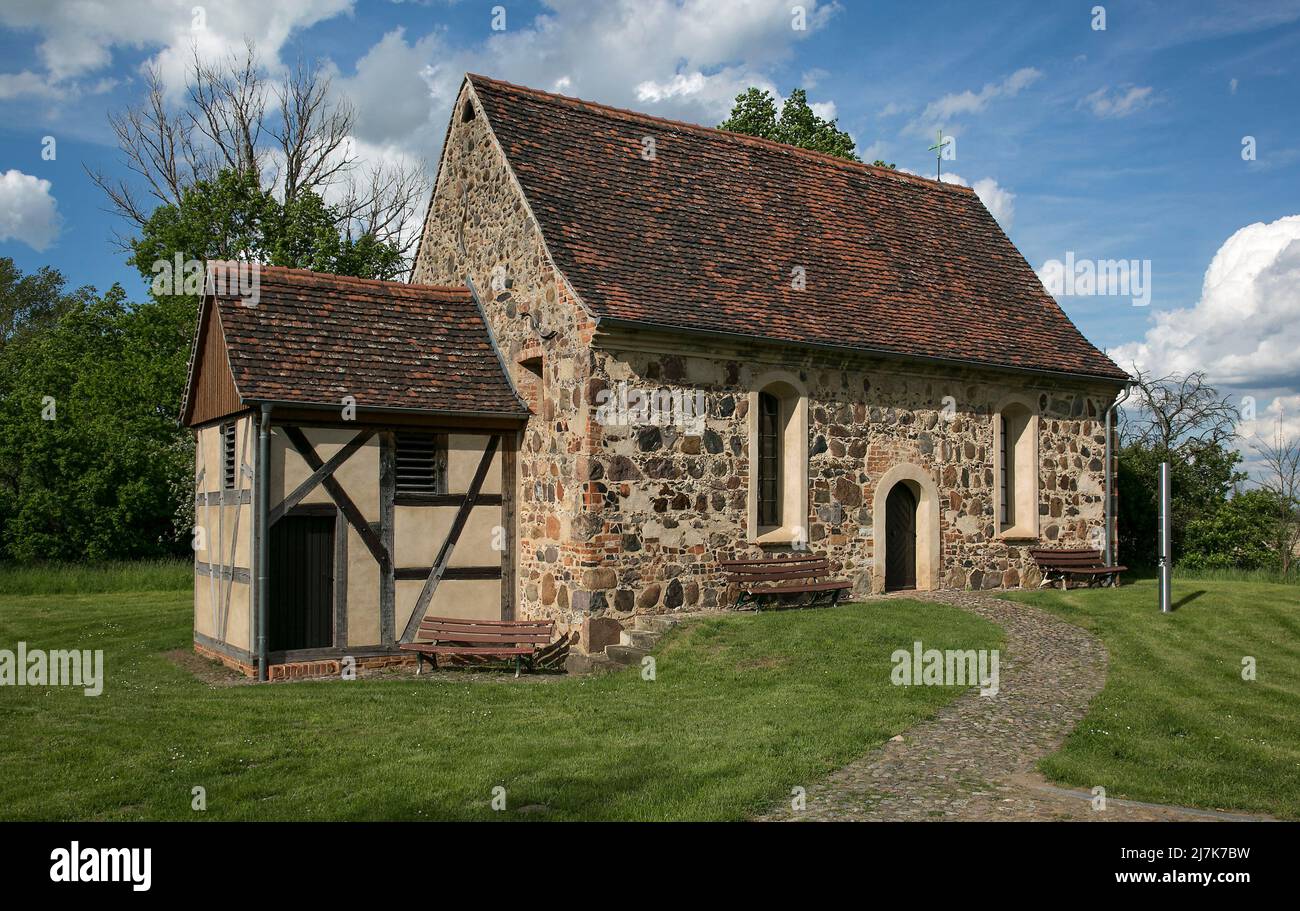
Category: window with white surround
<point>1015,468</point>
<point>778,460</point>
<point>768,463</point>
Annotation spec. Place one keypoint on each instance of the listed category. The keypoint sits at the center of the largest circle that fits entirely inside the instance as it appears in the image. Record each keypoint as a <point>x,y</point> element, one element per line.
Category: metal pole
<point>1109,550</point>
<point>1166,546</point>
<point>262,492</point>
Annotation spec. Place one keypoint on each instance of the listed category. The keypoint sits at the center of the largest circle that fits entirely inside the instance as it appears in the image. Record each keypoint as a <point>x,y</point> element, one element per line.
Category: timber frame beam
<point>439,568</point>
<point>326,470</point>
<point>340,496</point>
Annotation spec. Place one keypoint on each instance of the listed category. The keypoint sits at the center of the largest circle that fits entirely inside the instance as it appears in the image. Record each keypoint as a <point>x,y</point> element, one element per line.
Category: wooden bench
<point>790,578</point>
<point>1068,563</point>
<point>527,642</point>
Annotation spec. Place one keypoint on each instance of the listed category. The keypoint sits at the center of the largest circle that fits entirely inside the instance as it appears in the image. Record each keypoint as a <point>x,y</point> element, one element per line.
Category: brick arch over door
<point>928,569</point>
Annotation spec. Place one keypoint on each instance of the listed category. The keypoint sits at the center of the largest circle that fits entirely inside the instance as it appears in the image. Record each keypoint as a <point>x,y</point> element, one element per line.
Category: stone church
<point>729,345</point>
<point>632,348</point>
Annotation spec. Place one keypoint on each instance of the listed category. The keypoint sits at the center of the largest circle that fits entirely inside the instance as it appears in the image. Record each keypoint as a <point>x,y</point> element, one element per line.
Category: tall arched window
<point>769,460</point>
<point>778,458</point>
<point>1015,431</point>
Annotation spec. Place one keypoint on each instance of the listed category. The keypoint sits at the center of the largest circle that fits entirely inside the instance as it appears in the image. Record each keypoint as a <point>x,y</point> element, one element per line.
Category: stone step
<point>641,638</point>
<point>578,663</point>
<point>655,623</point>
<point>628,655</point>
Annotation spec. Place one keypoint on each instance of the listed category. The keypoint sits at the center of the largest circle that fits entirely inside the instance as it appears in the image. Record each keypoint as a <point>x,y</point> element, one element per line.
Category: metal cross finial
<point>938,148</point>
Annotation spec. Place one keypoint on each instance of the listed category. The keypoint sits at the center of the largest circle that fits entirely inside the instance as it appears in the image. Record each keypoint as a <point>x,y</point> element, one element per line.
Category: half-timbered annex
<point>355,460</point>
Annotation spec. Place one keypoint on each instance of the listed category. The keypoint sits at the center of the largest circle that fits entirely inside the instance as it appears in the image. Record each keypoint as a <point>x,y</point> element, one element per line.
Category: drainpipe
<point>262,496</point>
<point>1110,481</point>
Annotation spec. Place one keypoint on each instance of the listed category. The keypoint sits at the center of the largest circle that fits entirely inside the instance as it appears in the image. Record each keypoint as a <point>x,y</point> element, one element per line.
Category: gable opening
<point>467,112</point>
<point>530,383</point>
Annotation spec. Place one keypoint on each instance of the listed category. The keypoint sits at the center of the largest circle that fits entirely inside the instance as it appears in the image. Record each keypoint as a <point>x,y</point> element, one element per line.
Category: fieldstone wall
<point>479,226</point>
<point>670,500</point>
<point>623,518</point>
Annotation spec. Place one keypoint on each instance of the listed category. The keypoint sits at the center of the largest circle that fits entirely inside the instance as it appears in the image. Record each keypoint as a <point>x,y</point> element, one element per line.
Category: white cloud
<point>679,86</point>
<point>877,151</point>
<point>28,213</point>
<point>1281,414</point>
<point>938,113</point>
<point>1000,201</point>
<point>682,59</point>
<point>809,78</point>
<point>824,109</point>
<point>1244,332</point>
<point>27,85</point>
<point>1121,102</point>
<point>388,88</point>
<point>77,38</point>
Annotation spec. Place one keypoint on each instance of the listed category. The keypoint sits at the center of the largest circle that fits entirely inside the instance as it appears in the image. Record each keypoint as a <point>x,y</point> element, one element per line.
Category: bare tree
<point>1280,475</point>
<point>1179,413</point>
<point>384,200</point>
<point>157,146</point>
<point>313,133</point>
<point>295,136</point>
<point>227,107</point>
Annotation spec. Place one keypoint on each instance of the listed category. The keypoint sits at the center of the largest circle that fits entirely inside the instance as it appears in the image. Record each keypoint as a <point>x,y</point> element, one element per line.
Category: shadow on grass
<point>1187,599</point>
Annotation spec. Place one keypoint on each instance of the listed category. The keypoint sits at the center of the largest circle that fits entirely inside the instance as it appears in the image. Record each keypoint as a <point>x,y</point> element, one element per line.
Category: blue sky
<point>1117,143</point>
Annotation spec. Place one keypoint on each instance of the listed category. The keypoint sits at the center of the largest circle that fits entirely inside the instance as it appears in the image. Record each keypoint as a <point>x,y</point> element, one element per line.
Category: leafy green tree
<point>92,463</point>
<point>1278,470</point>
<point>29,303</point>
<point>1184,420</point>
<point>755,114</point>
<point>1235,536</point>
<point>1200,482</point>
<point>292,132</point>
<point>231,217</point>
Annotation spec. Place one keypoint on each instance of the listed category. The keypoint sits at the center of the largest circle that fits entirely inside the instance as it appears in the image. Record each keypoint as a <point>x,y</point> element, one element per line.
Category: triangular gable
<point>210,393</point>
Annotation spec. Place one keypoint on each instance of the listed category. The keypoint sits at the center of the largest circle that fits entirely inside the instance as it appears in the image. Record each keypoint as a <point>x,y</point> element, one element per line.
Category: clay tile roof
<point>706,235</point>
<point>314,338</point>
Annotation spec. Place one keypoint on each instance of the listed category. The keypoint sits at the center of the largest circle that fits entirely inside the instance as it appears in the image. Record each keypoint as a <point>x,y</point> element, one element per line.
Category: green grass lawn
<point>1176,722</point>
<point>744,707</point>
<point>82,578</point>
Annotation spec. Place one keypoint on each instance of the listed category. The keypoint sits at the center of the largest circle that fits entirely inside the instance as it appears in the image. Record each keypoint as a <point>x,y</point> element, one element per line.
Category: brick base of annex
<point>300,670</point>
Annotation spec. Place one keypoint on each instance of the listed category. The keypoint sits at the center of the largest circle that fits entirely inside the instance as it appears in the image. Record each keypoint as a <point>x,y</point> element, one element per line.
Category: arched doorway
<point>900,538</point>
<point>924,537</point>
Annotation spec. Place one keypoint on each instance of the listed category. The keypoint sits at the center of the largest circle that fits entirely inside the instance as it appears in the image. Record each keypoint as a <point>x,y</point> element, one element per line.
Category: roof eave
<point>621,322</point>
<point>520,417</point>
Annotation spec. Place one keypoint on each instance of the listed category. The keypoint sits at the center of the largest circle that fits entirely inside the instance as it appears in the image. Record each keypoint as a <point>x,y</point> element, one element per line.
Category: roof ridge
<point>387,283</point>
<point>728,135</point>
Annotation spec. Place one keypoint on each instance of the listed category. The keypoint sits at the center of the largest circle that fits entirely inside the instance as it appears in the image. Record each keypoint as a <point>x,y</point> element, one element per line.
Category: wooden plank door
<point>900,539</point>
<point>302,583</point>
